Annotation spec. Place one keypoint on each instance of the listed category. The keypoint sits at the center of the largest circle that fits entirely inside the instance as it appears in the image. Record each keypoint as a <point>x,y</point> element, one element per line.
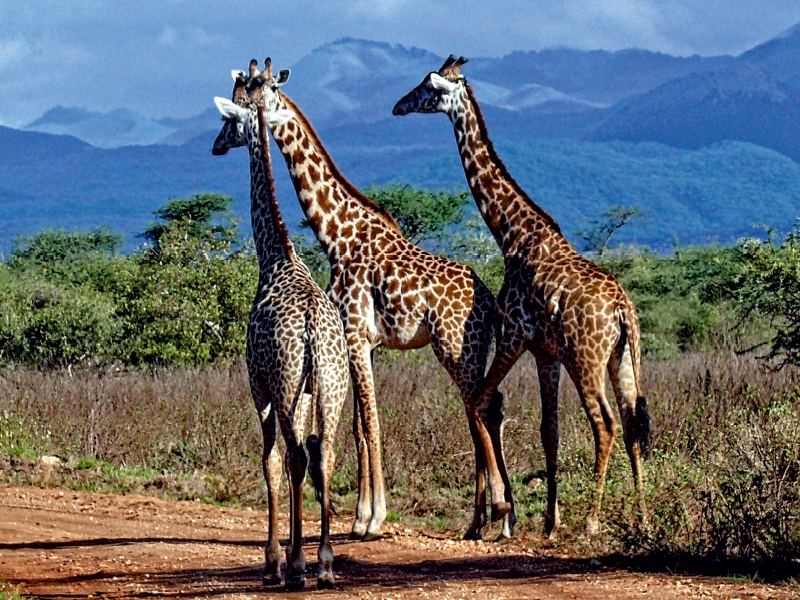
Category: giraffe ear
<point>229,109</point>
<point>237,75</point>
<point>279,117</point>
<point>440,83</point>
<point>283,77</point>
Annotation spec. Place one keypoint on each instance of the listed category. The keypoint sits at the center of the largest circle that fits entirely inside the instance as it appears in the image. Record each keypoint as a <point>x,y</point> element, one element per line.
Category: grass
<point>9,592</point>
<point>721,483</point>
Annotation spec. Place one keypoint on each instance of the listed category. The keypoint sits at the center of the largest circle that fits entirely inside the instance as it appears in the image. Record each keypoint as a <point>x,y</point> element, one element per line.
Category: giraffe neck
<point>340,216</point>
<point>269,232</point>
<point>502,203</point>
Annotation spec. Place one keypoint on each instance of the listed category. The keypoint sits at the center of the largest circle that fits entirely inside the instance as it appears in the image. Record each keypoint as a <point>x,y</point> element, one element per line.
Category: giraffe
<point>295,342</point>
<point>392,294</point>
<point>554,303</point>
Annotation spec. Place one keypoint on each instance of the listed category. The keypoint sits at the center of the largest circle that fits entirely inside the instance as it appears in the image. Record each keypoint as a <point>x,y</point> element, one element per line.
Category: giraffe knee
<point>297,460</point>
<point>493,411</point>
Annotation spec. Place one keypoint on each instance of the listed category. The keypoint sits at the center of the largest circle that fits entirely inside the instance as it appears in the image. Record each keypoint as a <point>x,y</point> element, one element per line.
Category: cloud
<point>169,36</point>
<point>168,55</point>
<point>378,8</point>
<point>11,51</point>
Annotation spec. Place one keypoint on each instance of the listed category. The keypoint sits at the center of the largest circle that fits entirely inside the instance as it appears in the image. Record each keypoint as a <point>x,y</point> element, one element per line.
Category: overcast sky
<point>163,58</point>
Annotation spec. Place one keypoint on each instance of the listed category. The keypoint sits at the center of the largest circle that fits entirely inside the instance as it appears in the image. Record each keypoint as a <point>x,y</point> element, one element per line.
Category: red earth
<point>65,544</point>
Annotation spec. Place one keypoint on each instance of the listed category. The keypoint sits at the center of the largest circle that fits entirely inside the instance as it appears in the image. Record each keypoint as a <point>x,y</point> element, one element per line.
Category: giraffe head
<point>438,92</point>
<point>252,92</point>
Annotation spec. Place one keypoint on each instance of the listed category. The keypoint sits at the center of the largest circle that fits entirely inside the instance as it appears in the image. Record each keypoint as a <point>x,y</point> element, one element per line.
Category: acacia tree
<point>598,233</point>
<point>205,220</point>
<point>769,288</point>
<point>186,298</point>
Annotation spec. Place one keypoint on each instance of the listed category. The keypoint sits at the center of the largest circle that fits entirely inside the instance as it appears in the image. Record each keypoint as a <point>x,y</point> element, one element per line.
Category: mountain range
<point>654,121</point>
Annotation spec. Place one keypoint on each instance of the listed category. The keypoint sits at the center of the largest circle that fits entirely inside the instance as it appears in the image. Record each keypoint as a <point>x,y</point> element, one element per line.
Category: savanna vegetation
<point>129,369</point>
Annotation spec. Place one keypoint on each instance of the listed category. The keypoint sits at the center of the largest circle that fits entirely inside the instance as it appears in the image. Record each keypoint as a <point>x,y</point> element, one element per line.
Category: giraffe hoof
<point>500,510</point>
<point>355,536</point>
<point>295,581</point>
<point>325,581</point>
<point>372,536</point>
<point>473,535</point>
<point>271,579</point>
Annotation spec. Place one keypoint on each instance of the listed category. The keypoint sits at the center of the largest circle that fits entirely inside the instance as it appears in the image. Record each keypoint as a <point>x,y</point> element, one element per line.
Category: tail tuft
<point>643,432</point>
<point>314,447</point>
<point>315,464</point>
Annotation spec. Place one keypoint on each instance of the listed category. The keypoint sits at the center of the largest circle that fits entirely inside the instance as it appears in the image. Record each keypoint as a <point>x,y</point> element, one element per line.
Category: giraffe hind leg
<point>634,415</point>
<point>549,371</point>
<point>323,455</point>
<point>591,389</point>
<point>271,467</point>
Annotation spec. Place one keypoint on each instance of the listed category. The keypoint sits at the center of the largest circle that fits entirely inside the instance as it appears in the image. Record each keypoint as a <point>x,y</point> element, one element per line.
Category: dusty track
<point>62,544</point>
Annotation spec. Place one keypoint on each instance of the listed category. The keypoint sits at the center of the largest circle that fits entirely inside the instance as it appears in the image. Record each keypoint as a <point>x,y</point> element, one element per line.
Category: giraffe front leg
<point>475,529</point>
<point>490,424</point>
<point>364,385</point>
<point>549,370</point>
<point>325,578</point>
<point>364,502</point>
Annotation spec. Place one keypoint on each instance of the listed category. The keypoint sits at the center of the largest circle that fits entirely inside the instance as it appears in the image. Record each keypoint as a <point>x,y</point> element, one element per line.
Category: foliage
<point>685,300</point>
<point>423,215</point>
<point>9,592</point>
<point>52,245</point>
<point>68,298</point>
<point>722,483</point>
<point>205,217</point>
<point>770,288</point>
<point>186,299</point>
<point>598,233</point>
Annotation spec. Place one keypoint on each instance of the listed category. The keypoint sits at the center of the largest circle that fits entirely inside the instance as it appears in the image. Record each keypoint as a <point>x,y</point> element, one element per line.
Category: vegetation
<point>9,592</point>
<point>68,298</point>
<point>139,358</point>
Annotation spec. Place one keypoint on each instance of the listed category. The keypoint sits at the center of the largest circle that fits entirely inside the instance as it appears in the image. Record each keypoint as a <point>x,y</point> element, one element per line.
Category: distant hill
<point>780,56</point>
<point>595,76</point>
<point>739,102</point>
<point>122,127</point>
<point>712,194</point>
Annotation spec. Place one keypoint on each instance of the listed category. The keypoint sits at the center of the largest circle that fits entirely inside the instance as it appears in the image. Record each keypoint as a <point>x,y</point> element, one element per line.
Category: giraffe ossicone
<point>554,303</point>
<point>295,343</point>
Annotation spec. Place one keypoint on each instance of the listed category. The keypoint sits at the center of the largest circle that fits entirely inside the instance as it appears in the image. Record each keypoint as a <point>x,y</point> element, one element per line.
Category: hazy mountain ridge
<point>739,102</point>
<point>122,127</point>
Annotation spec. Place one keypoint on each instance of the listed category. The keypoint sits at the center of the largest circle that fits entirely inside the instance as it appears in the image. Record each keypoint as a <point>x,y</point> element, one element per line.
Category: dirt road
<point>61,544</point>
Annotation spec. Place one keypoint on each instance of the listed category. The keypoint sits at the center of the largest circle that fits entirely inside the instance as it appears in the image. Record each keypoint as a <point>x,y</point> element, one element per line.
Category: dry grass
<point>722,481</point>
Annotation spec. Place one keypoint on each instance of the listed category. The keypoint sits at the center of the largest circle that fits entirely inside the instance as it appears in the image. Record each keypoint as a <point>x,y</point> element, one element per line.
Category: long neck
<point>340,216</point>
<point>502,203</point>
<point>269,232</point>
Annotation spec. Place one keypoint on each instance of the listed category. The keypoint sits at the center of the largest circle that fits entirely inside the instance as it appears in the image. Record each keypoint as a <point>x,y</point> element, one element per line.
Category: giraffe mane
<point>502,167</point>
<point>379,211</point>
<point>276,211</point>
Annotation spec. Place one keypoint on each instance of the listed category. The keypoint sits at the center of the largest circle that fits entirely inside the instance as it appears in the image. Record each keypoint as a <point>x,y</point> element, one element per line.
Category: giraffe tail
<point>641,415</point>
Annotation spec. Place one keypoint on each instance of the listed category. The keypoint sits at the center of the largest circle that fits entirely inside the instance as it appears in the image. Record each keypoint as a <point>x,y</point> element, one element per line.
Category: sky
<point>164,58</point>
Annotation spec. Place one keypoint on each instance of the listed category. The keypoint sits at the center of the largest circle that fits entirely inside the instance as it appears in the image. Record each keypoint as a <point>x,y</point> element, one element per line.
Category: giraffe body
<point>295,344</point>
<point>554,303</point>
<point>391,293</point>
